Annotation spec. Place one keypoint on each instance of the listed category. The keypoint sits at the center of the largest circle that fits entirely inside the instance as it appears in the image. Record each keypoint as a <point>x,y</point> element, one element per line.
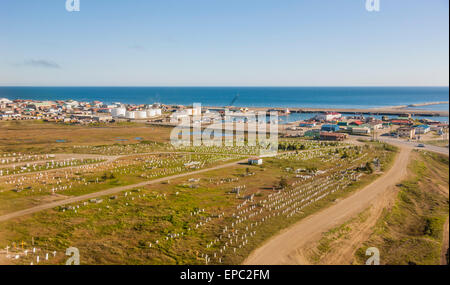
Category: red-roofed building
<point>401,122</point>
<point>356,123</point>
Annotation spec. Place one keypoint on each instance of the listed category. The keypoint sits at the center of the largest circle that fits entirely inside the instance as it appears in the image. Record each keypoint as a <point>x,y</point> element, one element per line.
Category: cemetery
<point>216,217</point>
<point>32,187</point>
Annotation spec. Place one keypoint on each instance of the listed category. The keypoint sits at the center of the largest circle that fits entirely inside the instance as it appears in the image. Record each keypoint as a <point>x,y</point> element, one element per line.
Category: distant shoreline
<point>421,104</point>
<point>388,111</point>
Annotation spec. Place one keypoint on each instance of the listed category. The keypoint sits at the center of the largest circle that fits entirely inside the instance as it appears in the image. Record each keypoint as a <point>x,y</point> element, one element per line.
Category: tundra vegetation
<point>215,217</point>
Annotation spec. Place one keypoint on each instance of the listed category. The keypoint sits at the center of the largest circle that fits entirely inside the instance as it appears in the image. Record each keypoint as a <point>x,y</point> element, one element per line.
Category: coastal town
<point>324,125</point>
<point>224,141</point>
<point>221,202</point>
<point>94,161</point>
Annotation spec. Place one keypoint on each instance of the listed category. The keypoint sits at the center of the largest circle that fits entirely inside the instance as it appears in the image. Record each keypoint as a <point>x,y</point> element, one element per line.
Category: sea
<point>284,97</point>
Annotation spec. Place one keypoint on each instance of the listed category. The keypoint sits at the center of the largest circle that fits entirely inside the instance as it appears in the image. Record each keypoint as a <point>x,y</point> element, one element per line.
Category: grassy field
<point>182,221</point>
<point>411,232</point>
<point>441,143</point>
<point>216,217</point>
<point>42,137</point>
<point>34,189</point>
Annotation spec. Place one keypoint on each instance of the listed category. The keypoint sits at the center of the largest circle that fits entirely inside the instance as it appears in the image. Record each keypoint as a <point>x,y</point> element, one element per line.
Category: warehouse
<point>361,131</point>
<point>330,128</point>
<point>327,136</point>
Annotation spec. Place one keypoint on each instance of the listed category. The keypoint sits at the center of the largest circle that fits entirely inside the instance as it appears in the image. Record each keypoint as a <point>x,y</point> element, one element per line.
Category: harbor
<point>385,111</point>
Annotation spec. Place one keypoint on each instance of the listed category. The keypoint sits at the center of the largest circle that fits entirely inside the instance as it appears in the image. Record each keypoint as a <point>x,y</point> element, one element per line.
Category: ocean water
<point>314,97</point>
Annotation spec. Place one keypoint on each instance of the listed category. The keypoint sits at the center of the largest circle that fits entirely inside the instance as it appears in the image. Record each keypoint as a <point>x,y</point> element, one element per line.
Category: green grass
<point>113,232</point>
<point>85,183</point>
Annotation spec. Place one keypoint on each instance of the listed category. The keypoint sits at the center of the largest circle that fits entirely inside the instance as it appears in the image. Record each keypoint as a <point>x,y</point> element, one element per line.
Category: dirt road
<point>412,144</point>
<point>109,192</point>
<point>285,248</point>
<point>343,252</point>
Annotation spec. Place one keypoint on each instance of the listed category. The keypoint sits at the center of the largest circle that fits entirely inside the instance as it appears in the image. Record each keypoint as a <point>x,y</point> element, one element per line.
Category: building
<point>158,111</point>
<point>151,113</point>
<point>307,125</point>
<point>130,115</point>
<point>330,128</point>
<point>71,104</point>
<point>437,129</point>
<point>376,125</point>
<point>400,122</point>
<point>356,123</point>
<point>255,161</point>
<point>406,132</point>
<point>422,129</point>
<point>361,131</point>
<point>40,105</point>
<point>5,101</point>
<point>196,110</point>
<point>327,136</point>
<point>103,118</point>
<point>140,114</point>
<point>118,112</point>
<point>315,133</point>
<point>329,116</point>
<point>179,117</point>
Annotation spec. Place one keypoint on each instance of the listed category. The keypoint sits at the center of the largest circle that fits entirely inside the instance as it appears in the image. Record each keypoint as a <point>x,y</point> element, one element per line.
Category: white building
<point>71,104</point>
<point>361,131</point>
<point>130,114</point>
<point>118,112</point>
<point>5,101</point>
<point>140,114</point>
<point>255,161</point>
<point>177,117</point>
<point>151,113</point>
<point>376,125</point>
<point>330,116</point>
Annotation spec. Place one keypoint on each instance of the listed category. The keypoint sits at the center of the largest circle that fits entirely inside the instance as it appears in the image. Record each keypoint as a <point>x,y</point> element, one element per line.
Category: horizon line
<point>229,86</point>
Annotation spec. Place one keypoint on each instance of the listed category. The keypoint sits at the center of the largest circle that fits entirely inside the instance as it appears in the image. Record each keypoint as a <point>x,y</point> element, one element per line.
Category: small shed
<point>255,161</point>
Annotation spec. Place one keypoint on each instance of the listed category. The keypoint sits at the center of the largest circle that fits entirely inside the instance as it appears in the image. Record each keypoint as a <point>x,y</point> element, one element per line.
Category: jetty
<point>385,111</point>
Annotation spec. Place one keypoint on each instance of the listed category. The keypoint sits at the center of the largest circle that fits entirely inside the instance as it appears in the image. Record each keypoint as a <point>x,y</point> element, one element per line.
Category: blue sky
<point>224,43</point>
